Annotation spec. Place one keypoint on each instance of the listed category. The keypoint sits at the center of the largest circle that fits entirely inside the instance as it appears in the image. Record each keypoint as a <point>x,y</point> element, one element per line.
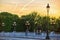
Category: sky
<point>23,7</point>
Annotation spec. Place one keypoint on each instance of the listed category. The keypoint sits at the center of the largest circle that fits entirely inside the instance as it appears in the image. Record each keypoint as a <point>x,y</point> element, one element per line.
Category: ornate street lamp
<point>53,22</point>
<point>14,26</point>
<point>3,24</point>
<point>48,7</point>
<point>38,28</point>
<point>27,24</point>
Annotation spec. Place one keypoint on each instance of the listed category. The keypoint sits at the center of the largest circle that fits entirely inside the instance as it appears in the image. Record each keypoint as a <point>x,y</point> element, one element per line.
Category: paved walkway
<point>24,38</point>
<point>21,38</point>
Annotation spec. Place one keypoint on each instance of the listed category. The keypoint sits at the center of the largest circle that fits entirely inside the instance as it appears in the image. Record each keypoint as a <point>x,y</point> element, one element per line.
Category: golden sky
<point>23,7</point>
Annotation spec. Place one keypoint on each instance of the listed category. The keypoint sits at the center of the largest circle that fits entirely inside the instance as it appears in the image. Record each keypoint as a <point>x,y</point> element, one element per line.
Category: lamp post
<point>3,24</point>
<point>53,22</point>
<point>38,28</point>
<point>47,32</point>
<point>27,24</point>
<point>14,26</point>
<point>48,7</point>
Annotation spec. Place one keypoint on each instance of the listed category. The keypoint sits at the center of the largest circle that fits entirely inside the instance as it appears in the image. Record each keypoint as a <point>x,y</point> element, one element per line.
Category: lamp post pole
<point>47,32</point>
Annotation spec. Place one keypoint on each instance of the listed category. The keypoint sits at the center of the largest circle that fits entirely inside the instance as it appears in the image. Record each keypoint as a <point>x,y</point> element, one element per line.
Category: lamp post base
<point>47,37</point>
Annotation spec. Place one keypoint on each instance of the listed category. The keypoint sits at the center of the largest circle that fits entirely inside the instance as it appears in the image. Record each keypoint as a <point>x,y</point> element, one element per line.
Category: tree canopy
<point>34,20</point>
